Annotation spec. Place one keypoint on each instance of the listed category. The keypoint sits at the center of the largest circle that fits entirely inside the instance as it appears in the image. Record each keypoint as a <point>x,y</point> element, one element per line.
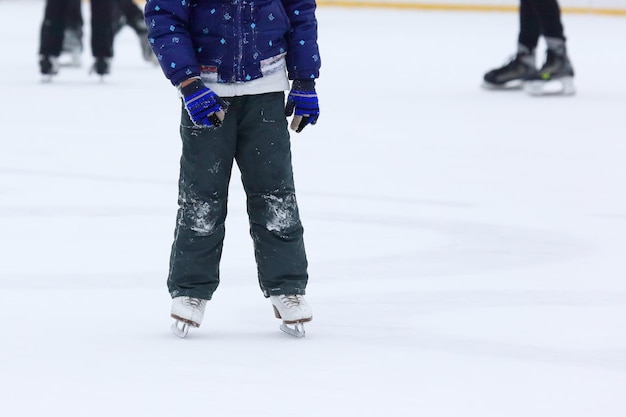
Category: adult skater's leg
<point>556,74</point>
<point>73,33</point>
<point>523,65</point>
<point>133,17</point>
<point>51,36</point>
<point>102,35</point>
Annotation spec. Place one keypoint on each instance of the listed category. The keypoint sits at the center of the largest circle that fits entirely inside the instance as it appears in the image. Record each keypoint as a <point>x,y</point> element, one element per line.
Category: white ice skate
<point>294,311</point>
<point>187,311</point>
<point>72,47</point>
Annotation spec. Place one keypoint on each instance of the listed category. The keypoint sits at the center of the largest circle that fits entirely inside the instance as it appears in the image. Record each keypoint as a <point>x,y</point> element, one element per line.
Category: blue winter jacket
<point>233,37</point>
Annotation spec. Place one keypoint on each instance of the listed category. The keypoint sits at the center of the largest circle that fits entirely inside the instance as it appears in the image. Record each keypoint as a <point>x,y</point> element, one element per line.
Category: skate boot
<point>294,311</point>
<point>556,76</point>
<point>48,66</point>
<point>73,46</point>
<point>118,24</point>
<point>146,50</point>
<point>140,28</point>
<point>513,74</point>
<point>102,66</point>
<point>187,311</point>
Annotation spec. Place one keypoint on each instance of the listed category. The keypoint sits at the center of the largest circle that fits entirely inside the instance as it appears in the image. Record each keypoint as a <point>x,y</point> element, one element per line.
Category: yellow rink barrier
<point>461,7</point>
<point>452,7</point>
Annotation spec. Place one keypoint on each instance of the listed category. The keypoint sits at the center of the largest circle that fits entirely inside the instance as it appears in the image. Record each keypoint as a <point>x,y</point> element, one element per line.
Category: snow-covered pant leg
<point>205,169</point>
<point>264,159</point>
<point>254,134</point>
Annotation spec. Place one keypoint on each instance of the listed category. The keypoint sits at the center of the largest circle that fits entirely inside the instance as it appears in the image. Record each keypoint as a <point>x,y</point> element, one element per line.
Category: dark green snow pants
<point>255,135</point>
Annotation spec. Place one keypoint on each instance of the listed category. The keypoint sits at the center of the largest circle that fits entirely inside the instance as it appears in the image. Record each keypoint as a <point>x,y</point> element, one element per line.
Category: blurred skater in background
<point>73,34</point>
<point>556,76</point>
<point>125,12</point>
<point>53,31</point>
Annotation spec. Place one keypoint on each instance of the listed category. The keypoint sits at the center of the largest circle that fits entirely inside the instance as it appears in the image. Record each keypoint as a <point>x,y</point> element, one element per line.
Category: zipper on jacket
<point>237,70</point>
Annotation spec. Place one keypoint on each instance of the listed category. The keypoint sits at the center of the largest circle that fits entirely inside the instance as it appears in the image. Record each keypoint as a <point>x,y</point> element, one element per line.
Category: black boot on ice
<point>102,66</point>
<point>48,65</point>
<point>513,74</point>
<point>556,76</point>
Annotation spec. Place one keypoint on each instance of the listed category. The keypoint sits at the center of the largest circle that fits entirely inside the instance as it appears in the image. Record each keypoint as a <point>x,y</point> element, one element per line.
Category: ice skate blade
<point>181,326</point>
<point>71,64</point>
<point>296,331</point>
<point>557,87</point>
<point>180,329</point>
<point>514,85</point>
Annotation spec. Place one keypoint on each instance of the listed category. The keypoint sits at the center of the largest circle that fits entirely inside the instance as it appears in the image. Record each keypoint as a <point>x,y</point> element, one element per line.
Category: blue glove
<point>303,99</point>
<point>205,108</point>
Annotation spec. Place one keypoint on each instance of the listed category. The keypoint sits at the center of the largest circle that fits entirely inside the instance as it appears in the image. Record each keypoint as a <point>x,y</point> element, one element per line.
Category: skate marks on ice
<point>422,265</point>
<point>53,175</point>
<point>609,216</point>
<point>569,329</point>
<point>573,329</point>
<point>430,247</point>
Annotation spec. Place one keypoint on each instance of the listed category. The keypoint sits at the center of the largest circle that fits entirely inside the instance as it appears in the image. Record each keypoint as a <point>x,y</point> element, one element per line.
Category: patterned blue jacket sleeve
<point>303,59</point>
<point>167,22</point>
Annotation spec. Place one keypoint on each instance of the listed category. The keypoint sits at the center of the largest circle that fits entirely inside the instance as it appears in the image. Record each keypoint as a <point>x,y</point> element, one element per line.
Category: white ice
<point>467,248</point>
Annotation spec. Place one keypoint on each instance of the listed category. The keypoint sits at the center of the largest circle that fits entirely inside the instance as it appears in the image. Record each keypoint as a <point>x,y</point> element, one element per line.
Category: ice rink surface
<point>467,248</point>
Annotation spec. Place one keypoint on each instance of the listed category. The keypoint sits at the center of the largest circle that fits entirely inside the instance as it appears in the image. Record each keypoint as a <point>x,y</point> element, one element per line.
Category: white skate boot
<point>72,46</point>
<point>187,311</point>
<point>294,311</point>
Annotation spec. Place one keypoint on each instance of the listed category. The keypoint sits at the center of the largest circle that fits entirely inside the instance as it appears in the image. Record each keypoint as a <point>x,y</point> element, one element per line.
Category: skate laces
<point>195,302</point>
<point>291,300</point>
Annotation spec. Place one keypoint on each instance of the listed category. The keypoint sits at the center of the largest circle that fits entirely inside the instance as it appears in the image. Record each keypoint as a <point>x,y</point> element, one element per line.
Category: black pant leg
<point>102,28</point>
<point>264,159</point>
<point>131,11</point>
<point>74,16</point>
<point>530,24</point>
<point>549,15</point>
<point>205,169</point>
<point>52,28</point>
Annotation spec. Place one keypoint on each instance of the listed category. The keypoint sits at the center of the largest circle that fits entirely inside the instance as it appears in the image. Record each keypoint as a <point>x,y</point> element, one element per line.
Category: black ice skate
<point>513,74</point>
<point>102,66</point>
<point>146,50</point>
<point>139,26</point>
<point>48,66</point>
<point>556,76</point>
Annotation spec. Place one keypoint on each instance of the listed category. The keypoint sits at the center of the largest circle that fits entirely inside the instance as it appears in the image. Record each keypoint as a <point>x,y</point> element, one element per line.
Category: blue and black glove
<point>205,108</point>
<point>303,99</point>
